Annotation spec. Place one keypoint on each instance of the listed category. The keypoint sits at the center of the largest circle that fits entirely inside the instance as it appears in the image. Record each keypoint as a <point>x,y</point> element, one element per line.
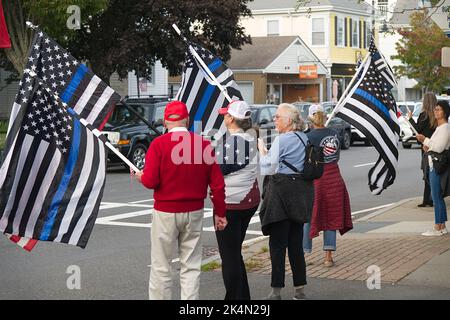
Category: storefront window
<point>273,94</point>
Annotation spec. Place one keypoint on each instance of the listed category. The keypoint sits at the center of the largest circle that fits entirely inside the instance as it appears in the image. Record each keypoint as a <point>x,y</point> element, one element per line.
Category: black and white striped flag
<point>53,174</point>
<point>382,66</point>
<point>84,92</point>
<point>199,92</point>
<point>81,90</point>
<point>371,108</point>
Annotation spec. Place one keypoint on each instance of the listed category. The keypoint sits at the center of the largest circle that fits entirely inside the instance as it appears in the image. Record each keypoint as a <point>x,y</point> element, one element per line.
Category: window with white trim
<point>340,32</point>
<point>318,31</point>
<point>368,34</point>
<point>355,33</point>
<point>273,27</point>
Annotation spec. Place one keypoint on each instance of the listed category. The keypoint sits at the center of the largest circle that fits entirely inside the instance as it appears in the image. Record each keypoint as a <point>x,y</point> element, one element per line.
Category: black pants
<point>230,247</point>
<point>287,234</point>
<point>426,190</point>
<point>427,194</point>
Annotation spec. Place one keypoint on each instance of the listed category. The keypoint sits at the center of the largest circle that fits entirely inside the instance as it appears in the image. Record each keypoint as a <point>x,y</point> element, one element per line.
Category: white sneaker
<point>444,231</point>
<point>432,233</point>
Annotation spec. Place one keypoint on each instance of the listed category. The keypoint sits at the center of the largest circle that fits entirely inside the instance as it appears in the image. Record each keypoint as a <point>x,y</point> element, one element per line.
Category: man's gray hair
<point>294,115</point>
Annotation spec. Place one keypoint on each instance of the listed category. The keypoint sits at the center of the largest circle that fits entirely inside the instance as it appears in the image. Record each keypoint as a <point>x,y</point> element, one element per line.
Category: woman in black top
<point>426,124</point>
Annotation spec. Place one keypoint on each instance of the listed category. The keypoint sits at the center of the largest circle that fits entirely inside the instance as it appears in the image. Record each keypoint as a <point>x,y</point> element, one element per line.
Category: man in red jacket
<point>179,166</point>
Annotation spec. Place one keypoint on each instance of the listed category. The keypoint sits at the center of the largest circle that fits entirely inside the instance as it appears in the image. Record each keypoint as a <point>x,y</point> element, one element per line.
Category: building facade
<point>337,32</point>
<point>278,69</point>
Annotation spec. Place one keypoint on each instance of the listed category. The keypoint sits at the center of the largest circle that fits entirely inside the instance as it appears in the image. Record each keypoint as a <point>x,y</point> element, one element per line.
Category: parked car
<point>129,134</point>
<point>444,97</point>
<point>407,136</point>
<point>262,118</point>
<point>405,106</point>
<point>340,126</point>
<point>303,108</point>
<point>328,106</point>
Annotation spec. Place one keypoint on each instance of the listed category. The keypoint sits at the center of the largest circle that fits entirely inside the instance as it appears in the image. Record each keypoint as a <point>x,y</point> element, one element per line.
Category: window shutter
<point>335,31</point>
<point>351,32</point>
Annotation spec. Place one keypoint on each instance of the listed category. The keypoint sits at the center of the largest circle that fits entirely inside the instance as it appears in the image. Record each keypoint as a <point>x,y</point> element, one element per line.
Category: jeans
<point>329,239</point>
<point>230,246</point>
<point>440,210</point>
<point>284,235</point>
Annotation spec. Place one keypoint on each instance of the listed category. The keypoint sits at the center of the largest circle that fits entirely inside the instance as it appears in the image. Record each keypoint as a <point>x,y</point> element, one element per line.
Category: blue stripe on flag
<point>203,104</point>
<point>215,64</point>
<point>73,156</point>
<point>374,101</point>
<point>74,83</point>
<point>207,95</point>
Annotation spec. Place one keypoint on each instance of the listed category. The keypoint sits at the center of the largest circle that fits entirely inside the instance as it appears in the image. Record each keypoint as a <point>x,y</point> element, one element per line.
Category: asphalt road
<point>115,264</point>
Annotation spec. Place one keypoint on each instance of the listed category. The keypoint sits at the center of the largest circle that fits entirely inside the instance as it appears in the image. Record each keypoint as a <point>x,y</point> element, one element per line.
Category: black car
<point>262,118</point>
<point>129,134</point>
<point>342,127</point>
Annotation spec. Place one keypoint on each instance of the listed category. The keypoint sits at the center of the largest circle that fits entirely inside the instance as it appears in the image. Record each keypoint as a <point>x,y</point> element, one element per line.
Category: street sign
<point>308,72</point>
<point>446,57</point>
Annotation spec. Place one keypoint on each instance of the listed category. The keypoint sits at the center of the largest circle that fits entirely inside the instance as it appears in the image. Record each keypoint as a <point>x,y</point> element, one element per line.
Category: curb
<point>365,218</point>
<point>384,210</point>
<point>247,243</point>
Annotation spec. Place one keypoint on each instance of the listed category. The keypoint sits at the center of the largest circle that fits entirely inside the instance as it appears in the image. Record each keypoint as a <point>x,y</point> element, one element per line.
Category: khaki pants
<point>169,229</point>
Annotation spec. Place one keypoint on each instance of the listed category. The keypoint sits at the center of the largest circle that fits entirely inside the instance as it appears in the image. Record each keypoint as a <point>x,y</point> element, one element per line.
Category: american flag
<point>371,108</point>
<point>382,66</point>
<point>53,173</point>
<point>84,92</point>
<point>80,89</point>
<point>199,92</point>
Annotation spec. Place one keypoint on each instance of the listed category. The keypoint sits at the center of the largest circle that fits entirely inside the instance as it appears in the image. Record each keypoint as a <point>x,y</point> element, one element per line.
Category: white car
<point>357,135</point>
<point>407,136</point>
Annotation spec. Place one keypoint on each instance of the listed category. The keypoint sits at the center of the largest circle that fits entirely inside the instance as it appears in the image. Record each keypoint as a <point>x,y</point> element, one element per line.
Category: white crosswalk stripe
<point>121,218</point>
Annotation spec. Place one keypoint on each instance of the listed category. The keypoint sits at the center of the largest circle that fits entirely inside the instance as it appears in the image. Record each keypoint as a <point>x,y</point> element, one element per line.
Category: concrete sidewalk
<point>389,239</point>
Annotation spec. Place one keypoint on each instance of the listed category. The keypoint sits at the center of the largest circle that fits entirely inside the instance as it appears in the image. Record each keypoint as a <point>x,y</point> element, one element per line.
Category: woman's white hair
<point>294,115</point>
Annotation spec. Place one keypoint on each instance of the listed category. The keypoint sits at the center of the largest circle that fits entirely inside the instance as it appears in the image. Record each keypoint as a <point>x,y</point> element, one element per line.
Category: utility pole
<point>137,83</point>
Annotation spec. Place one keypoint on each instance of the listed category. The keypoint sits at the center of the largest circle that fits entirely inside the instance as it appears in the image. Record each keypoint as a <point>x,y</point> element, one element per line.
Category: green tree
<point>124,35</point>
<point>419,50</point>
<point>133,34</point>
<point>50,15</point>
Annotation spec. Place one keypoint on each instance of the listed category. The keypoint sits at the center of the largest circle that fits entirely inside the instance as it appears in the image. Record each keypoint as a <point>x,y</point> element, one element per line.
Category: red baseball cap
<point>175,111</point>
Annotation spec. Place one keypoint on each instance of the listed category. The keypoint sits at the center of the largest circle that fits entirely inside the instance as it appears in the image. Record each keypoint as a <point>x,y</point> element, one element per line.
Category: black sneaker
<point>422,205</point>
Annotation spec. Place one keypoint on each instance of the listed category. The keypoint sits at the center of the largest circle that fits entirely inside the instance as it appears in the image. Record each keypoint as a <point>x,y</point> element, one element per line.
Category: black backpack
<point>314,160</point>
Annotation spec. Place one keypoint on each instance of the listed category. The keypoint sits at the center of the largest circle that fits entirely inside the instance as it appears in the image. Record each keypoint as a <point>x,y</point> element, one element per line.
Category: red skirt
<point>331,210</point>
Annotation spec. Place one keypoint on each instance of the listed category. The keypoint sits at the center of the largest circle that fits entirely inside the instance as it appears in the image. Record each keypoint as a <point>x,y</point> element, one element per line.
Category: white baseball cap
<point>237,109</point>
<point>313,109</point>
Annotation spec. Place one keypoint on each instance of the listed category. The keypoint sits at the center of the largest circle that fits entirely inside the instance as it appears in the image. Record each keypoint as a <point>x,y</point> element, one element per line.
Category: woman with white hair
<point>331,210</point>
<point>287,199</point>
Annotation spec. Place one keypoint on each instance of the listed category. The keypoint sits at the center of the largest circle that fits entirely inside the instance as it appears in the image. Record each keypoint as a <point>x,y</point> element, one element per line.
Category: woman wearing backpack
<point>331,210</point>
<point>287,199</point>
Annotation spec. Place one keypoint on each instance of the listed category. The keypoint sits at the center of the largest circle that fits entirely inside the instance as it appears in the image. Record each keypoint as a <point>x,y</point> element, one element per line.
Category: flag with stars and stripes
<point>53,174</point>
<point>199,92</point>
<point>84,92</point>
<point>382,66</point>
<point>371,108</point>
